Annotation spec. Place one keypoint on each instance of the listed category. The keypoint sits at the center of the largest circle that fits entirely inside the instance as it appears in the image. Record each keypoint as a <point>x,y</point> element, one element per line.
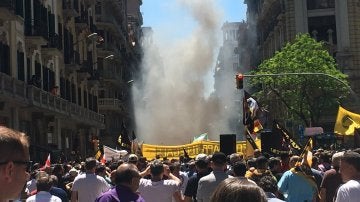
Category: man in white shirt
<point>157,189</point>
<point>88,186</point>
<point>43,185</point>
<point>350,173</point>
<point>208,183</point>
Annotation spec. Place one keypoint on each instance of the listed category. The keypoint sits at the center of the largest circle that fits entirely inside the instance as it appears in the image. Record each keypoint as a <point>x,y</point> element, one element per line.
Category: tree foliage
<point>306,96</point>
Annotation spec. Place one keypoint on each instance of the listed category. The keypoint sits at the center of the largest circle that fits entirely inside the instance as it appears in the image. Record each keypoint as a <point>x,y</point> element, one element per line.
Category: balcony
<point>82,21</point>
<point>54,46</point>
<point>111,75</point>
<point>15,91</point>
<point>111,104</point>
<point>35,33</point>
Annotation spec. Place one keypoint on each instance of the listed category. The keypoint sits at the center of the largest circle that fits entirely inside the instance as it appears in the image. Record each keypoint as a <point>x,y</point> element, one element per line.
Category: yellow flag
<point>346,122</point>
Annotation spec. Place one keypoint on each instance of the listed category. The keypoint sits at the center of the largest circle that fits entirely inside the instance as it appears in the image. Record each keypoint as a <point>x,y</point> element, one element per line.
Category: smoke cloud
<point>171,106</point>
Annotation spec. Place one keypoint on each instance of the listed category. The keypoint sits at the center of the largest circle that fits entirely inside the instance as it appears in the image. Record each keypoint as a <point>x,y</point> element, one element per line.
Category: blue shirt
<point>120,193</point>
<point>296,187</point>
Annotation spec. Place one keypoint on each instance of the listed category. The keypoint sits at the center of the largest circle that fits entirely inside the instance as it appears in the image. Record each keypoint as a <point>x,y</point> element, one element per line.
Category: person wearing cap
<point>133,158</point>
<point>208,183</point>
<point>88,186</point>
<point>202,169</point>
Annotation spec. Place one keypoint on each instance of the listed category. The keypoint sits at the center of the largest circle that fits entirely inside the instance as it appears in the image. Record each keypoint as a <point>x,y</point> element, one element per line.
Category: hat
<point>201,157</point>
<point>73,172</point>
<point>218,158</point>
<point>132,158</point>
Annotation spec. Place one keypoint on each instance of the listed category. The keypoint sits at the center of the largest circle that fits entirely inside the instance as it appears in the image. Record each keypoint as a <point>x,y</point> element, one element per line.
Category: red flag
<point>103,159</point>
<point>47,163</point>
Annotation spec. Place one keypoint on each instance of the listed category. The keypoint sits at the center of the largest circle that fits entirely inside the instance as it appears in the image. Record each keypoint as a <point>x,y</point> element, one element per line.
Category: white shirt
<point>43,196</point>
<point>158,191</point>
<point>349,192</point>
<point>89,187</point>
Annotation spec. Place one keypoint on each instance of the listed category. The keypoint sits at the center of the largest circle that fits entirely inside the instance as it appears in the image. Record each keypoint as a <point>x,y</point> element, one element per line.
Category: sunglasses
<point>27,163</point>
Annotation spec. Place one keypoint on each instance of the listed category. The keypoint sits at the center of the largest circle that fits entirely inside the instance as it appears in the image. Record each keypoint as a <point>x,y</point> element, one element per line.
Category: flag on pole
<point>103,159</point>
<point>47,163</point>
<point>98,154</point>
<point>307,154</point>
<point>277,128</point>
<point>201,137</point>
<point>346,122</point>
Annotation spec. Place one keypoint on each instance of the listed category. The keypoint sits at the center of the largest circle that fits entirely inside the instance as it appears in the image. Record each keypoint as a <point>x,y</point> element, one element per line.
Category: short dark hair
<point>239,168</point>
<point>219,158</point>
<point>268,184</point>
<point>352,158</point>
<point>90,163</point>
<point>156,168</point>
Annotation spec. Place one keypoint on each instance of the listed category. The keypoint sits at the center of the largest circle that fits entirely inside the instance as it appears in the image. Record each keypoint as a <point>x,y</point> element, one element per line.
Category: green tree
<point>306,96</point>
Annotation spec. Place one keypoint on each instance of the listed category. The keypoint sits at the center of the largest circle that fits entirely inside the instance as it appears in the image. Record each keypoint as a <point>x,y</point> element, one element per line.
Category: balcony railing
<point>31,95</point>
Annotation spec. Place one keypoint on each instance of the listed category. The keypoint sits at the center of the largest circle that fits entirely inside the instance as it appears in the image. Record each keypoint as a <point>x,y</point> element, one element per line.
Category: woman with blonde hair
<point>233,189</point>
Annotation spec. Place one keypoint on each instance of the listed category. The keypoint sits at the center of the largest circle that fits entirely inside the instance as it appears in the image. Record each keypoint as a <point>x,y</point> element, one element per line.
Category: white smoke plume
<point>170,103</point>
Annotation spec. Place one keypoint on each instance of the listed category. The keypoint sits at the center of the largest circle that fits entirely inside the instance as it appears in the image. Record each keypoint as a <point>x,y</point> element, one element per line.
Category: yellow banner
<point>193,149</point>
<point>346,122</point>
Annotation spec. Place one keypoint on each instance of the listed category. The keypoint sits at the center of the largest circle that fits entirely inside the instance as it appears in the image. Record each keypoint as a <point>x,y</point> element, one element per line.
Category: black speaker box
<point>228,143</point>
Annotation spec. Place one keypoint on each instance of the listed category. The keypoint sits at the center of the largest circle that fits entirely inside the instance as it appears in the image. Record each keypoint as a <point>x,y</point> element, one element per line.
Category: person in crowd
<point>88,181</point>
<point>30,186</point>
<point>350,174</point>
<point>157,188</point>
<point>191,170</point>
<point>332,179</point>
<point>175,170</point>
<point>261,170</point>
<point>298,183</point>
<point>127,179</point>
<point>202,169</point>
<point>275,167</point>
<point>324,161</point>
<point>285,160</point>
<point>43,186</point>
<point>233,158</point>
<point>58,171</point>
<point>15,165</point>
<point>133,158</point>
<point>239,169</point>
<point>269,185</point>
<point>232,189</point>
<point>56,191</point>
<point>101,171</point>
<point>208,183</point>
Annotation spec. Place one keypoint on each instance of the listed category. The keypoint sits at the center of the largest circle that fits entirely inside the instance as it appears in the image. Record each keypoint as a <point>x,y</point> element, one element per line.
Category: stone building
<point>54,63</point>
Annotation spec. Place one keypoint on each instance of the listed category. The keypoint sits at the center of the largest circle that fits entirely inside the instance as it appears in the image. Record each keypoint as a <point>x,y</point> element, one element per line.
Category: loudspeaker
<point>228,143</point>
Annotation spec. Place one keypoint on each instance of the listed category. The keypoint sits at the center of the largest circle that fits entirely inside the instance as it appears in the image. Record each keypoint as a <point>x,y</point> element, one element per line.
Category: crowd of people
<point>332,176</point>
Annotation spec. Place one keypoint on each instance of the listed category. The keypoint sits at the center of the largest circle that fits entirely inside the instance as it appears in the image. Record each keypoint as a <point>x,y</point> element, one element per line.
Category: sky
<point>160,13</point>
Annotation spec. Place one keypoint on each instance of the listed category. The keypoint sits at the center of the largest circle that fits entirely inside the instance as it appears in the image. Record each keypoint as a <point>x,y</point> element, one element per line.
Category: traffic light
<point>239,81</point>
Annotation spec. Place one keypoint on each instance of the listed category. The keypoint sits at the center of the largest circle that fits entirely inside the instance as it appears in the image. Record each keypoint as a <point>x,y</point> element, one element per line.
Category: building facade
<point>51,76</point>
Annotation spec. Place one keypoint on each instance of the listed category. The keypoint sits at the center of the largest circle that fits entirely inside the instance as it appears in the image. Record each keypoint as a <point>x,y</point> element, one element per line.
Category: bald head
<point>125,173</point>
